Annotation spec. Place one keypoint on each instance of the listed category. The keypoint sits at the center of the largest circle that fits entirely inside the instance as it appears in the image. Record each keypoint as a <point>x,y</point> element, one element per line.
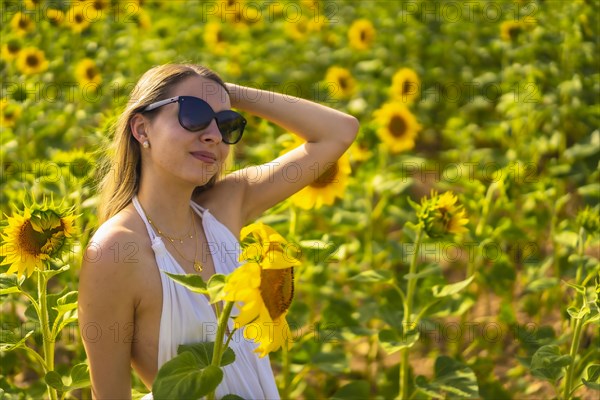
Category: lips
<point>205,156</point>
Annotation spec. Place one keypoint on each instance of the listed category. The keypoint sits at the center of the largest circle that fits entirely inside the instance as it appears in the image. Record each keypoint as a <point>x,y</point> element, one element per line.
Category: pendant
<point>197,266</point>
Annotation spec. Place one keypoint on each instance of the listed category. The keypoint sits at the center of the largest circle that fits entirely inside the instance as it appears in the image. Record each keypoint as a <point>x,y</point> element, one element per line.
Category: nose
<point>211,133</point>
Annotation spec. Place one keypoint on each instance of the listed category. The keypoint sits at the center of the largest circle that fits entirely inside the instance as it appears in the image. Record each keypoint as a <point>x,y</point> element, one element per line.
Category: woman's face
<point>193,157</point>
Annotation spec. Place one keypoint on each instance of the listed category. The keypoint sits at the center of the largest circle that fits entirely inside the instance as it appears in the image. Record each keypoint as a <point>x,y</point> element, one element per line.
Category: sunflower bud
<point>34,237</point>
<point>441,216</point>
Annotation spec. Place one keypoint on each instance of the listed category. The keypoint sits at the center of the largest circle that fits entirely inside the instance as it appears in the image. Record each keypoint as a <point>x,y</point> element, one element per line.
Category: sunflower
<point>142,19</point>
<point>87,73</point>
<point>361,34</point>
<point>398,128</point>
<point>31,61</point>
<point>405,85</point>
<point>32,4</point>
<point>9,114</point>
<point>22,24</point>
<point>100,5</point>
<point>239,12</point>
<point>36,236</point>
<point>56,17</point>
<point>342,80</point>
<point>11,49</point>
<point>301,28</point>
<point>441,216</point>
<point>264,288</point>
<point>77,19</point>
<point>214,39</point>
<point>510,30</point>
<point>359,153</point>
<point>329,184</point>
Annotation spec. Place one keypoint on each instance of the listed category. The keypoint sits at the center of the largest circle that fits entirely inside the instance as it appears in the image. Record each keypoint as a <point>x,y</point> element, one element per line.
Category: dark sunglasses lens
<point>231,125</point>
<point>194,114</point>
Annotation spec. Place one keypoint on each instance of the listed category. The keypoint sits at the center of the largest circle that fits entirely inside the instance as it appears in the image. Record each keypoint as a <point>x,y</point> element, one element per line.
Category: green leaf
<point>80,376</point>
<point>567,238</point>
<point>578,313</point>
<point>9,341</point>
<point>14,289</point>
<point>593,377</point>
<point>356,390</point>
<point>181,377</point>
<point>539,285</point>
<point>449,290</point>
<point>591,191</point>
<point>451,377</point>
<point>204,351</point>
<point>547,363</point>
<point>49,273</point>
<point>68,298</point>
<point>194,282</point>
<point>578,288</point>
<point>215,286</point>
<point>232,397</point>
<point>372,276</point>
<point>54,379</point>
<point>392,341</point>
<point>430,270</point>
<point>8,281</point>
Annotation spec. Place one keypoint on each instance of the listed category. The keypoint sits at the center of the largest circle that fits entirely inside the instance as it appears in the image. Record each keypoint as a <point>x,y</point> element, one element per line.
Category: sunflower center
<point>514,31</point>
<point>277,290</point>
<point>30,240</point>
<point>397,126</point>
<point>343,83</point>
<point>90,73</point>
<point>219,36</point>
<point>98,5</point>
<point>23,23</point>
<point>78,18</point>
<point>406,87</point>
<point>363,35</point>
<point>327,177</point>
<point>32,61</point>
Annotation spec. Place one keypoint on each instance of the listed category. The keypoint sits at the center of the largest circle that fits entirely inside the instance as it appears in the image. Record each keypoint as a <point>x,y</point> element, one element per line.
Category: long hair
<point>122,171</point>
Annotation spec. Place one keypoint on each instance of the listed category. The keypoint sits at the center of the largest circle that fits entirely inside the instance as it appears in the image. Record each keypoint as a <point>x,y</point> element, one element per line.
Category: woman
<point>163,208</point>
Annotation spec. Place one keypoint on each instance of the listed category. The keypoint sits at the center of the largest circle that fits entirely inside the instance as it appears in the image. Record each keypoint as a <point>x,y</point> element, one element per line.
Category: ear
<point>138,125</point>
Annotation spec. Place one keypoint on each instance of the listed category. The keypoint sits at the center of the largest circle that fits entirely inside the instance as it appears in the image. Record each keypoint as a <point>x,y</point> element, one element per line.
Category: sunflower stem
<point>406,321</point>
<point>573,353</point>
<point>48,341</point>
<point>218,349</point>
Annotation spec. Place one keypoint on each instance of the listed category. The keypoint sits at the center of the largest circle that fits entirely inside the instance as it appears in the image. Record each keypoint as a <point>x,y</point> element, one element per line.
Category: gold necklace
<point>170,238</point>
<point>197,264</point>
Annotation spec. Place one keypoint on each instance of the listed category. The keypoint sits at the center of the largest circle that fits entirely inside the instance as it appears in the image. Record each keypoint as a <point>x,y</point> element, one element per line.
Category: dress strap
<point>197,207</point>
<point>140,210</point>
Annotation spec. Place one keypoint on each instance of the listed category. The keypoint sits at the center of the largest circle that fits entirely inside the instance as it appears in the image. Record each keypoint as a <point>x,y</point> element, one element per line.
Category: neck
<point>168,205</point>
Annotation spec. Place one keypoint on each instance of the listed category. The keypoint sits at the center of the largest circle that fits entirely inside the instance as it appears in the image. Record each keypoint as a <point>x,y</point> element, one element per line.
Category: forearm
<point>311,121</point>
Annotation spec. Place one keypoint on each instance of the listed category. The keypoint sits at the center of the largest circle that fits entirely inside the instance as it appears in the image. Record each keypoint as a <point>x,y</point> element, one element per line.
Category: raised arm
<point>106,309</point>
<point>328,134</point>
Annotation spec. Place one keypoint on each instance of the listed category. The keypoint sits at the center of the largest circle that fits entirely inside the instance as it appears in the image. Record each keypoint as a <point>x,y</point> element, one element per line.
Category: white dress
<point>187,317</point>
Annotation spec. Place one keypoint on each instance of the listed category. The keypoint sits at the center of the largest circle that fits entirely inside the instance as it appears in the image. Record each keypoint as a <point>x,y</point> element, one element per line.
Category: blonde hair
<point>121,173</point>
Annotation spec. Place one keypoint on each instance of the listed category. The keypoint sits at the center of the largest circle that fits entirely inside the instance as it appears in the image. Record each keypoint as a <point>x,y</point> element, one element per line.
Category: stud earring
<point>146,144</point>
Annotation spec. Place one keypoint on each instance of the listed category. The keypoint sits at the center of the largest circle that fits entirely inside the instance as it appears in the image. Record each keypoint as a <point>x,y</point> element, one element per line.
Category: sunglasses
<point>196,114</point>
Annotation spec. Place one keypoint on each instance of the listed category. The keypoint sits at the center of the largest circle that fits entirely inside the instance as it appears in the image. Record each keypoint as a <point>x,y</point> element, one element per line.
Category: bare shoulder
<point>224,200</point>
<point>117,253</point>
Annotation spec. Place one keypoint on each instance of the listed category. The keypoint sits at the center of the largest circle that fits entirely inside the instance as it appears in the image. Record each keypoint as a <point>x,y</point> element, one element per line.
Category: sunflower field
<point>452,252</point>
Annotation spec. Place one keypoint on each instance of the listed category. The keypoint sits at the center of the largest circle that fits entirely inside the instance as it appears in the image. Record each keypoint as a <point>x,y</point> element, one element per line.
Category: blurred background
<point>495,101</point>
